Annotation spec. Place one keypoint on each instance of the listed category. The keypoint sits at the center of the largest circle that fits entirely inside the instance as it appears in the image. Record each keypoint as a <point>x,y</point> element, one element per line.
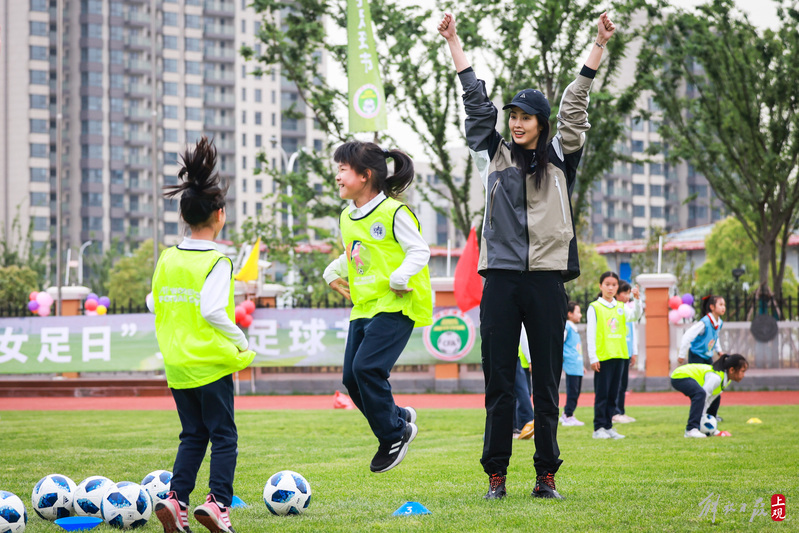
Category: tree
<point>728,247</point>
<point>729,100</point>
<point>131,278</point>
<point>22,254</point>
<point>674,260</point>
<point>16,283</point>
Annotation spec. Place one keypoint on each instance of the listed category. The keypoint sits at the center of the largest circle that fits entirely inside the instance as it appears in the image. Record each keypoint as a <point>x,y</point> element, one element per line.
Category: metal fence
<point>741,306</point>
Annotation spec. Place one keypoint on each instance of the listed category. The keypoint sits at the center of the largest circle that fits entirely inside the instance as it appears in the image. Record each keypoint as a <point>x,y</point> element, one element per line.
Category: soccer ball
<point>13,516</point>
<point>287,492</point>
<point>157,484</point>
<point>708,425</point>
<point>52,496</point>
<point>89,495</point>
<point>126,505</point>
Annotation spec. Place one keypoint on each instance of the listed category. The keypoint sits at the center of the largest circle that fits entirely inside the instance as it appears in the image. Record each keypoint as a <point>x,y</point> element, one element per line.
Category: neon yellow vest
<point>373,253</point>
<point>611,331</point>
<point>698,372</point>
<point>523,359</point>
<point>195,353</point>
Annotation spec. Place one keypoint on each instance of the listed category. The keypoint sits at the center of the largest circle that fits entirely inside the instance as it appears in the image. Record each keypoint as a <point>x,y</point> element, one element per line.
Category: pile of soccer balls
<point>124,505</point>
<point>128,505</point>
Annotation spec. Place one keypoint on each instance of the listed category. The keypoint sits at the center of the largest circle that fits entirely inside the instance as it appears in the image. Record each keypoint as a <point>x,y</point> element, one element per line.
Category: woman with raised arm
<point>528,249</point>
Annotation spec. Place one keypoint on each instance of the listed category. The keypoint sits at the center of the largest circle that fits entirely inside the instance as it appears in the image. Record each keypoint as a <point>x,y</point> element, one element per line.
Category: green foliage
<point>101,264</point>
<point>673,261</point>
<point>741,133</point>
<point>659,478</point>
<point>131,277</point>
<point>16,283</point>
<point>592,265</point>
<point>16,249</point>
<point>726,248</point>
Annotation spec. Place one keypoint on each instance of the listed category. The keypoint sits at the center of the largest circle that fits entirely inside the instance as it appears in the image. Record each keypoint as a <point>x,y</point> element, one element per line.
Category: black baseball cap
<point>531,101</point>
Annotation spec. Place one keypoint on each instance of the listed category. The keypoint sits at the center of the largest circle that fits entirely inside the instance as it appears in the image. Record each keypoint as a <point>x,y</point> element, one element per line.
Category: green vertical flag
<point>367,100</point>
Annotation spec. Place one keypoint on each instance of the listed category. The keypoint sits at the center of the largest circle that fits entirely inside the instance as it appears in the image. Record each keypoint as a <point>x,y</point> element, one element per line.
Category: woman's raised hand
<point>447,27</point>
<point>605,28</point>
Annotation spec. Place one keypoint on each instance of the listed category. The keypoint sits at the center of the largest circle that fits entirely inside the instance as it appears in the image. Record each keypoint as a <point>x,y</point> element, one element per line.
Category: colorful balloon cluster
<point>244,313</point>
<point>96,305</point>
<point>40,303</point>
<point>681,307</point>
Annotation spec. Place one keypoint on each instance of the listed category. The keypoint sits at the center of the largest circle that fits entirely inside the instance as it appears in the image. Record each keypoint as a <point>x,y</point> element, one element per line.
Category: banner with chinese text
<point>279,337</point>
<point>366,96</point>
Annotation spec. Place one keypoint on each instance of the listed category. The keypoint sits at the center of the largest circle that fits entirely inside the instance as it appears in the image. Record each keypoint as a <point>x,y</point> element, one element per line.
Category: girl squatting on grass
<point>385,260</point>
<point>606,334</point>
<point>528,249</point>
<point>192,300</point>
<point>703,384</point>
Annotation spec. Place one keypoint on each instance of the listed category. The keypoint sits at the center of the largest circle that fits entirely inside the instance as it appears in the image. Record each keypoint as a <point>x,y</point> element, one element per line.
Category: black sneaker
<point>496,487</point>
<point>390,455</point>
<point>545,487</point>
<point>409,414</point>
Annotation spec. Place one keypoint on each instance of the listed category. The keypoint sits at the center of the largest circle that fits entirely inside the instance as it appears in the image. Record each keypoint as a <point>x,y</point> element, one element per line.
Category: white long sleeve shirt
<point>711,382</point>
<point>214,295</point>
<point>630,315</point>
<point>417,252</point>
<point>692,333</point>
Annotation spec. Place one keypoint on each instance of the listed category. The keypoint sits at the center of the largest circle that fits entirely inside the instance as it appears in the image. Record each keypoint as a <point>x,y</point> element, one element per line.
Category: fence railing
<point>741,306</point>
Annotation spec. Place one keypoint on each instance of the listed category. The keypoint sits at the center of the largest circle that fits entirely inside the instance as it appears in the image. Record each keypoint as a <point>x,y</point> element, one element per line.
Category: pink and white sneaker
<point>213,516</point>
<point>173,516</point>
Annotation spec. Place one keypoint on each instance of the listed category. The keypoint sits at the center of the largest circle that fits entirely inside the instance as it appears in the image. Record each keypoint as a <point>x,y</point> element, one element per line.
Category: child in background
<point>192,300</point>
<point>385,260</point>
<point>703,384</point>
<point>573,365</point>
<point>700,340</point>
<point>632,353</point>
<point>607,350</point>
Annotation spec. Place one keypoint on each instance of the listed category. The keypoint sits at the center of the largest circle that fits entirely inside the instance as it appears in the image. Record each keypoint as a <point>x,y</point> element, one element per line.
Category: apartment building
<point>141,80</point>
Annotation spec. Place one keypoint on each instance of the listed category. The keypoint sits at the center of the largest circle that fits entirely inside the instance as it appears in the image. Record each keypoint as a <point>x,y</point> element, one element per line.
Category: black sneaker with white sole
<point>409,414</point>
<point>391,454</point>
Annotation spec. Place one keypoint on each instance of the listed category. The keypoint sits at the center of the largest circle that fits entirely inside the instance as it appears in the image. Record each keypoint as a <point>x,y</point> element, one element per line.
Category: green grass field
<point>654,480</point>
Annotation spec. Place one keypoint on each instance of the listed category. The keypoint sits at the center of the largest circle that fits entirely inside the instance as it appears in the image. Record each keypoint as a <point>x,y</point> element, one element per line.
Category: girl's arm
<point>214,299</point>
<point>449,31</point>
<point>417,252</point>
<point>335,273</point>
<point>590,334</point>
<point>687,338</point>
<point>605,30</point>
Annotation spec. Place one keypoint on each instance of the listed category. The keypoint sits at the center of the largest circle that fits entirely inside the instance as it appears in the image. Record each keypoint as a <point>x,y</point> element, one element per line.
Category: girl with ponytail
<point>385,259</point>
<point>192,300</point>
<point>702,339</point>
<point>703,384</point>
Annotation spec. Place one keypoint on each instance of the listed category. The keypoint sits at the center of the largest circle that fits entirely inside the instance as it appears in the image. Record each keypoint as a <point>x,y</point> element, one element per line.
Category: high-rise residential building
<point>141,80</point>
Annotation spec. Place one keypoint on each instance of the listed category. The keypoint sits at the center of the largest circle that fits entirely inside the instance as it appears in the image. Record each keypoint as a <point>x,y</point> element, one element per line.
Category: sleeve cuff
<point>588,72</point>
<point>467,77</point>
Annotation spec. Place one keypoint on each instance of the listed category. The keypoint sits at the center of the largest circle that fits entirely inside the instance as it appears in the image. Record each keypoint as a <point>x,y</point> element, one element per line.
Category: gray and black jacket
<point>525,228</point>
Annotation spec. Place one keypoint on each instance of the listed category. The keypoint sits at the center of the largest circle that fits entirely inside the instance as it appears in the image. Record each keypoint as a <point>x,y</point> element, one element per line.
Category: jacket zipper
<point>560,195</point>
<point>491,204</point>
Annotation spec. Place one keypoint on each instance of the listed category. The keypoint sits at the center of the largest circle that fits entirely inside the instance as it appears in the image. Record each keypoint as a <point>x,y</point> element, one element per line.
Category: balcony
<point>137,185</point>
<point>224,30</point>
<point>138,65</point>
<point>138,89</point>
<point>138,113</point>
<point>135,41</point>
<point>138,18</point>
<point>219,99</point>
<point>220,122</point>
<point>225,76</point>
<point>217,53</point>
<point>138,137</point>
<point>143,162</point>
<point>216,6</point>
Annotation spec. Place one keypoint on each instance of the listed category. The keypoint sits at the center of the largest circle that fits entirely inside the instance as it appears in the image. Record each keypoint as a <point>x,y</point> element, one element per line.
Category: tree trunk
<point>764,255</point>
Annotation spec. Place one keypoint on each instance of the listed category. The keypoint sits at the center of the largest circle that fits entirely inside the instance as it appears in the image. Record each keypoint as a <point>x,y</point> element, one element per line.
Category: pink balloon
<point>44,311</point>
<point>44,299</point>
<point>32,295</point>
<point>90,305</point>
<point>249,306</point>
<point>675,302</point>
<point>674,316</point>
<point>685,311</point>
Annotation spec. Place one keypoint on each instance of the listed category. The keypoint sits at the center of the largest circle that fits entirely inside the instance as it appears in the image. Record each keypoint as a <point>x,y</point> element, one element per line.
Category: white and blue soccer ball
<point>13,515</point>
<point>287,493</point>
<point>158,484</point>
<point>52,496</point>
<point>708,425</point>
<point>126,505</point>
<point>89,495</point>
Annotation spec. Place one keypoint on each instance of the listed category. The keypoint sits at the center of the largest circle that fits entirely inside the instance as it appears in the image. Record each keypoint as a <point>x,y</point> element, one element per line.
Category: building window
<point>193,67</point>
<point>258,118</point>
<point>639,211</point>
<point>193,21</point>
<point>656,190</point>
<point>171,228</point>
<point>170,135</point>
<point>258,95</point>
<point>194,113</point>
<point>40,29</point>
<point>193,44</point>
<point>193,90</point>
<point>39,5</point>
<point>244,139</point>
<point>638,233</point>
<point>170,65</point>
<point>41,175</point>
<point>40,53</point>
<point>170,18</point>
<point>638,146</point>
<point>170,111</point>
<point>656,211</point>
<point>41,77</point>
<point>171,42</point>
<point>638,168</point>
<point>259,186</point>
<point>244,162</point>
<point>655,169</point>
<point>40,150</point>
<point>258,140</point>
<point>638,189</point>
<point>170,88</point>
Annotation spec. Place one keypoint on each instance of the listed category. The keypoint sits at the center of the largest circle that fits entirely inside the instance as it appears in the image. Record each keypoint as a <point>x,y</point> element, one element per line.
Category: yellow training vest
<point>698,371</point>
<point>373,253</point>
<point>195,353</point>
<point>611,331</point>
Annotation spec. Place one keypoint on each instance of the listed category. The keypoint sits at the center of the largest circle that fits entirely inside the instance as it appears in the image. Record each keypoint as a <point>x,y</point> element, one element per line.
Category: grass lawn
<point>654,480</point>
